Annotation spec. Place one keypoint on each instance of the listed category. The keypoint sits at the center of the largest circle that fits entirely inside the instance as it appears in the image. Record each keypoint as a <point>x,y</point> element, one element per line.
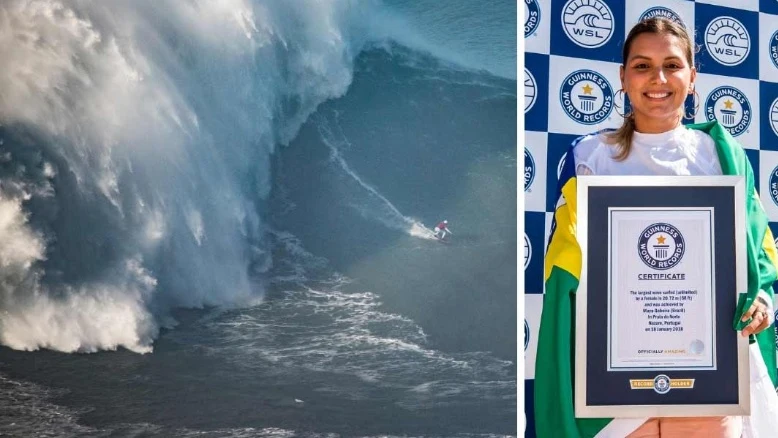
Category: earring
<point>617,107</point>
<point>696,100</point>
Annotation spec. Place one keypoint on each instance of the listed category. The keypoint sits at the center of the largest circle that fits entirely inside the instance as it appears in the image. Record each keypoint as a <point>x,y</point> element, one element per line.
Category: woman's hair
<point>622,137</point>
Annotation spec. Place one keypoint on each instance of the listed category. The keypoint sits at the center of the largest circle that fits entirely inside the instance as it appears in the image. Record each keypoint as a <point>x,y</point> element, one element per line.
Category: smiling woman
<point>657,75</point>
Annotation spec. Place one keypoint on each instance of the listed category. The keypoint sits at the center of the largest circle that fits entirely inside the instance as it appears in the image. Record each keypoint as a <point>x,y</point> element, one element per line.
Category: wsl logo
<point>531,17</point>
<point>526,335</point>
<point>773,47</point>
<point>561,166</point>
<point>529,170</point>
<point>587,97</point>
<point>730,107</point>
<point>527,251</point>
<point>530,90</point>
<point>588,23</point>
<point>661,384</point>
<point>727,41</point>
<point>661,11</point>
<point>661,246</point>
<point>774,116</point>
<point>774,185</point>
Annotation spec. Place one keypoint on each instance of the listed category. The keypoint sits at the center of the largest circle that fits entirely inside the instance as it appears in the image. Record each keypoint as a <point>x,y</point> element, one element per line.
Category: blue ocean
<point>215,218</point>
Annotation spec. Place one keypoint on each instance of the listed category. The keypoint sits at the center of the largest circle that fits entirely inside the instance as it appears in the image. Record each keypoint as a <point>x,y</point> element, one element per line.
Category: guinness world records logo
<point>730,107</point>
<point>661,11</point>
<point>529,169</point>
<point>774,185</point>
<point>586,97</point>
<point>531,17</point>
<point>661,384</point>
<point>661,246</point>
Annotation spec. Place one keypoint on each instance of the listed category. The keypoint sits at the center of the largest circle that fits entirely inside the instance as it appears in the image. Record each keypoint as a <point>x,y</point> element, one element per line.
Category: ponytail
<point>622,138</point>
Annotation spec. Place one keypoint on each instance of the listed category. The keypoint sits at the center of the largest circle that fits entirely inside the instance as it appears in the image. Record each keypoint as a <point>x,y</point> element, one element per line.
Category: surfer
<point>441,230</point>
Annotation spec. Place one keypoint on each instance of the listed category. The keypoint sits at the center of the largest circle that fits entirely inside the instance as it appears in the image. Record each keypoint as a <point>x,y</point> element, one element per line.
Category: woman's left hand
<point>760,321</point>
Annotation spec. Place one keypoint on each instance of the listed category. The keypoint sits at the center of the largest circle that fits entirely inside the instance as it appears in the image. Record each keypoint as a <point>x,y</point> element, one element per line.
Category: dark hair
<point>622,137</point>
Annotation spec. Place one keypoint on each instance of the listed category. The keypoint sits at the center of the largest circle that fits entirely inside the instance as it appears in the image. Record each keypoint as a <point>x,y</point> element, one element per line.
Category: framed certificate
<point>664,259</point>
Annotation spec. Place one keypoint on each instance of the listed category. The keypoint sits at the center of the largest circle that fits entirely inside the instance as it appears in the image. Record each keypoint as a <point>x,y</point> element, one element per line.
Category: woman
<point>657,75</point>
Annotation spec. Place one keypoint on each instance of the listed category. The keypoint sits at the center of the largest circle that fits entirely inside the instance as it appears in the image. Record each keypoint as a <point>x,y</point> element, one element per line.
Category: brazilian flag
<point>554,409</point>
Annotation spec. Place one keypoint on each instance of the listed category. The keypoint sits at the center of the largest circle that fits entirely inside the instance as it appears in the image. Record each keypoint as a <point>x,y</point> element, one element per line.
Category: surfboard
<point>444,240</point>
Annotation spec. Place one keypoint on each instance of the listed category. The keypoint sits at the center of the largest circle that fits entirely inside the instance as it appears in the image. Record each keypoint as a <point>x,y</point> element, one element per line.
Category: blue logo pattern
<point>727,41</point>
<point>730,107</point>
<point>661,384</point>
<point>529,169</point>
<point>661,11</point>
<point>661,246</point>
<point>586,96</point>
<point>588,23</point>
<point>531,17</point>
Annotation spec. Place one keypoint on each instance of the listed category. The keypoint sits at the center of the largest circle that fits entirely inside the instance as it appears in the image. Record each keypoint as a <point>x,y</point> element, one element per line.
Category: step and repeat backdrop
<point>572,57</point>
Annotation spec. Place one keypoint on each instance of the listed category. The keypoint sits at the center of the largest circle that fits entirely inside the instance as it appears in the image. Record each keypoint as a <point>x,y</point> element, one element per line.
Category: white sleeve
<point>583,152</point>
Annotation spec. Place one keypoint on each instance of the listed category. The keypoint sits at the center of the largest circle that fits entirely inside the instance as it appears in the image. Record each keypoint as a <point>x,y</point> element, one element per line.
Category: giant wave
<point>135,144</point>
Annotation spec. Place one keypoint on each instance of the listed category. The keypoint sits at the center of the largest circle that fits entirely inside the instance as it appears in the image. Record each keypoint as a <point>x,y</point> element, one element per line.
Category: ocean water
<point>214,218</point>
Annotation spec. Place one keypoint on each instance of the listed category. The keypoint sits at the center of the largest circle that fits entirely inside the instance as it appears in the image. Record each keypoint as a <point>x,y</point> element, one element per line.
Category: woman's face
<point>657,78</point>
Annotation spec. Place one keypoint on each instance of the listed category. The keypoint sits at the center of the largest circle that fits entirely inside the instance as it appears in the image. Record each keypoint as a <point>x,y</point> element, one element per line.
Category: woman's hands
<point>760,318</point>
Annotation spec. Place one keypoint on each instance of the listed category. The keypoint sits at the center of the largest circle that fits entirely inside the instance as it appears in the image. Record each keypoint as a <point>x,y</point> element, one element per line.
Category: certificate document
<point>663,265</point>
<point>661,289</point>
